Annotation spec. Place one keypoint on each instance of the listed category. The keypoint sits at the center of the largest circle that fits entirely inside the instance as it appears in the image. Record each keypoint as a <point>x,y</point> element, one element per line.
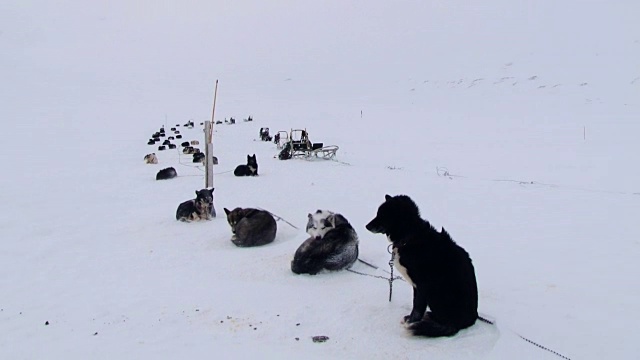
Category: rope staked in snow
<point>278,218</point>
<point>444,172</point>
<point>183,164</point>
<point>196,166</point>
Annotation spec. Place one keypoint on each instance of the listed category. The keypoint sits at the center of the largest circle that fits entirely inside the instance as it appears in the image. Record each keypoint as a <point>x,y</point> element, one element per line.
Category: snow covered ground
<point>532,108</point>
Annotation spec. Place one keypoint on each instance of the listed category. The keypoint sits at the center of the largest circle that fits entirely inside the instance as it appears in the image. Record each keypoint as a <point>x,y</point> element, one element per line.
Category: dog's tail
<point>428,327</point>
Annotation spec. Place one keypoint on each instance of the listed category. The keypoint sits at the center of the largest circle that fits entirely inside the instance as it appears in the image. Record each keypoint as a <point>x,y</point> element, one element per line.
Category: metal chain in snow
<point>390,279</point>
<point>391,266</point>
<point>542,347</point>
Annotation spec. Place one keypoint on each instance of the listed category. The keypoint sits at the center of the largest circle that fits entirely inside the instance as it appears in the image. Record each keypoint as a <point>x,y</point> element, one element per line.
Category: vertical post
<point>208,153</point>
<point>584,132</point>
<point>215,95</point>
<point>208,147</point>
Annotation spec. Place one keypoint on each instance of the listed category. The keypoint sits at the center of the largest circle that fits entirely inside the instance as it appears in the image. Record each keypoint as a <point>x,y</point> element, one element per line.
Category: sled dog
<point>165,174</point>
<point>200,208</point>
<point>251,169</point>
<point>151,158</point>
<point>440,271</point>
<point>333,244</point>
<point>251,227</point>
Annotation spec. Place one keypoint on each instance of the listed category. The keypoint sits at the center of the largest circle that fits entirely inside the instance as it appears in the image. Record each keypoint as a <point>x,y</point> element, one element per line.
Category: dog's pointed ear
<point>212,190</point>
<point>196,192</point>
<point>309,216</point>
<point>387,197</point>
<point>227,211</point>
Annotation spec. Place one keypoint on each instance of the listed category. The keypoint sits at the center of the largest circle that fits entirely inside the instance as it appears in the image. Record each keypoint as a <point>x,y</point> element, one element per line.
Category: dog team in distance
<point>440,272</point>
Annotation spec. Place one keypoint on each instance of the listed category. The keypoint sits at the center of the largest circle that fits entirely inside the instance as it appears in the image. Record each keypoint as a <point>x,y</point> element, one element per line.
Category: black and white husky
<point>200,208</point>
<point>440,271</point>
<point>198,158</point>
<point>333,244</point>
<point>251,169</point>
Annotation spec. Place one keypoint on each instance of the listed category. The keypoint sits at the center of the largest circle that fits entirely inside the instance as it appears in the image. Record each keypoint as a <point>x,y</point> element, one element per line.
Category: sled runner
<point>299,146</point>
<point>325,152</point>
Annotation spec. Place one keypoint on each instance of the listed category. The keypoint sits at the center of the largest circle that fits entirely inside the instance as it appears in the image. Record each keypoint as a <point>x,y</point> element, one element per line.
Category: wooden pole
<point>208,153</point>
<point>213,112</point>
<point>208,147</point>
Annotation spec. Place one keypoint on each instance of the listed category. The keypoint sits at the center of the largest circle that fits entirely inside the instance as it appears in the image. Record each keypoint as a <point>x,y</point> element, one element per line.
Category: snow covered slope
<point>532,110</point>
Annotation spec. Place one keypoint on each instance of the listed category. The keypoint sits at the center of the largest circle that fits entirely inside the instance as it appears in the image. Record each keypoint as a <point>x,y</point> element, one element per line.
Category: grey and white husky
<point>333,244</point>
<point>151,158</point>
<point>200,208</point>
<point>317,224</point>
<point>251,227</point>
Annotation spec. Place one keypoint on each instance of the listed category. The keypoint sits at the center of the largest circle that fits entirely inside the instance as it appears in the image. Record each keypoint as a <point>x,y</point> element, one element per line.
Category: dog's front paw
<point>410,319</point>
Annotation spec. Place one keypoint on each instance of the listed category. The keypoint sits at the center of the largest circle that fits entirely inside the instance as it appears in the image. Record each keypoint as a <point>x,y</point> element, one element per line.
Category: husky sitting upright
<point>440,271</point>
<point>200,208</point>
<point>333,244</point>
<point>151,158</point>
<point>251,169</point>
<point>251,227</point>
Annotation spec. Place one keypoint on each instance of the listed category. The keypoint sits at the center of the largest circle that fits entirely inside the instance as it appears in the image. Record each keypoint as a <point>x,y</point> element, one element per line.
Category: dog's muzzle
<point>374,227</point>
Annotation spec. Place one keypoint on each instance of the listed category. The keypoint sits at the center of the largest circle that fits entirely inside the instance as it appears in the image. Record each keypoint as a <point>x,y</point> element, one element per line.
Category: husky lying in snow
<point>151,158</point>
<point>200,208</point>
<point>198,158</point>
<point>165,174</point>
<point>317,224</point>
<point>333,244</point>
<point>251,227</point>
<point>190,150</point>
